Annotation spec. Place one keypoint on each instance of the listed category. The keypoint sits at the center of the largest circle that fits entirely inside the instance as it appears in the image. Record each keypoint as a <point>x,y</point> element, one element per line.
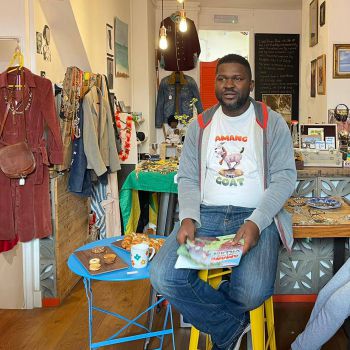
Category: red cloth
<point>25,211</point>
<point>8,245</point>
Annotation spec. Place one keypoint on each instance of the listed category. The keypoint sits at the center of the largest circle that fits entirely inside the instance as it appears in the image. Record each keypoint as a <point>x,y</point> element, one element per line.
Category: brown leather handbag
<point>17,160</point>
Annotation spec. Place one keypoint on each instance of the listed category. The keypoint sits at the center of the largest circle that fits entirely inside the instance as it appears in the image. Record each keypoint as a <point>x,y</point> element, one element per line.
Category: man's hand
<point>250,233</point>
<point>186,230</point>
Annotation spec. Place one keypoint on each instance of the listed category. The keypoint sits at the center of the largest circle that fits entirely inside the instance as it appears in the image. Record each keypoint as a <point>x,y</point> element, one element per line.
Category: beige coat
<point>99,137</point>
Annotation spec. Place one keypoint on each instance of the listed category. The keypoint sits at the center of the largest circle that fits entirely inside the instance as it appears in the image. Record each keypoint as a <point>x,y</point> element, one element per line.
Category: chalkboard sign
<point>277,73</point>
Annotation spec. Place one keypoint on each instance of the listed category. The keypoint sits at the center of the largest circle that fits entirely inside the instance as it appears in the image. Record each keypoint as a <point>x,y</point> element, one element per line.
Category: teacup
<point>140,255</point>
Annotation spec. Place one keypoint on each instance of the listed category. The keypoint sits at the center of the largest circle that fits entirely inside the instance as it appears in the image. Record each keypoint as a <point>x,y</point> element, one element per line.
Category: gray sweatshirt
<point>274,152</point>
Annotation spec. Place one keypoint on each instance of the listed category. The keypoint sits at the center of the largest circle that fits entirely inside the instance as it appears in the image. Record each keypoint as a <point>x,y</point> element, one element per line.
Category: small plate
<point>323,203</point>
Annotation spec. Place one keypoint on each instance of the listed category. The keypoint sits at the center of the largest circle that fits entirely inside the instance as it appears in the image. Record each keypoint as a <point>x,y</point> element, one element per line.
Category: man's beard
<point>234,106</point>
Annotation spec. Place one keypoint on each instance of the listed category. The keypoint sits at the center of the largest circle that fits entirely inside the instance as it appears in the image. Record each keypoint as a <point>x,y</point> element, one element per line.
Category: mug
<point>140,255</point>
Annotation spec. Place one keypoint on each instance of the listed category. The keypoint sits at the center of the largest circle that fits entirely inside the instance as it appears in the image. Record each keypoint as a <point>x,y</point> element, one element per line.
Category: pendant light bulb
<point>183,22</point>
<point>163,43</point>
<point>180,1</point>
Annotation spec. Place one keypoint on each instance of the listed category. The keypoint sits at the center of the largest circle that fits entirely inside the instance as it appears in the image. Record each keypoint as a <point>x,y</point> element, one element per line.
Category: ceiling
<point>253,4</point>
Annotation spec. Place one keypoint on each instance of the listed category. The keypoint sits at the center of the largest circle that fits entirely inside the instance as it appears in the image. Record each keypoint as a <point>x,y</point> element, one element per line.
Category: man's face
<point>232,87</point>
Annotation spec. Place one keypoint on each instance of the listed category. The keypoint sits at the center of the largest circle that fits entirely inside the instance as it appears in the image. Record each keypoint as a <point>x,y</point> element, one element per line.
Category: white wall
<point>335,31</point>
<point>54,69</point>
<point>314,107</point>
<point>337,22</point>
<point>143,66</point>
<point>91,20</point>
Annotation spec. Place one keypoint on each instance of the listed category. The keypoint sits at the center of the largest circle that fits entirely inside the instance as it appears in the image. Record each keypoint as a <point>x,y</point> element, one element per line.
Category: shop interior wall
<point>142,62</point>
<point>91,17</point>
<point>335,31</point>
<point>251,20</point>
<point>337,22</point>
<point>54,69</point>
<point>314,107</point>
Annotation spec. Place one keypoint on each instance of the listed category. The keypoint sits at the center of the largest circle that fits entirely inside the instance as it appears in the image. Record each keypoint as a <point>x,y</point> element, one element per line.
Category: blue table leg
<point>152,301</point>
<point>113,339</point>
<point>89,295</point>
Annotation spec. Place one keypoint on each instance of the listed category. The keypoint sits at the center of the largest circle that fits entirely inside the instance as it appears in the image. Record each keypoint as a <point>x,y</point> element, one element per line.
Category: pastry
<point>94,261</point>
<point>94,267</point>
<point>98,250</point>
<point>109,258</point>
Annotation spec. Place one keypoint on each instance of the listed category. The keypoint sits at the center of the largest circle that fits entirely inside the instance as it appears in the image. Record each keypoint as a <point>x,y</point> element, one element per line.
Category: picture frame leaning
<point>341,61</point>
<point>321,75</point>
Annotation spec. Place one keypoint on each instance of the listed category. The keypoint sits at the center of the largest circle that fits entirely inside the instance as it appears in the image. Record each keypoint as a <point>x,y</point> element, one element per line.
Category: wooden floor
<point>66,327</point>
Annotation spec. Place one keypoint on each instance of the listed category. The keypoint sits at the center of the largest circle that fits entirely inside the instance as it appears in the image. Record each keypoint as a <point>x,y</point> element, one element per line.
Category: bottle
<point>295,134</point>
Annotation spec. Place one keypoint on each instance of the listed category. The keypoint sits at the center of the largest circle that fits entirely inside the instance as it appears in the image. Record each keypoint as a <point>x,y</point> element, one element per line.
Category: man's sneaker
<point>237,344</point>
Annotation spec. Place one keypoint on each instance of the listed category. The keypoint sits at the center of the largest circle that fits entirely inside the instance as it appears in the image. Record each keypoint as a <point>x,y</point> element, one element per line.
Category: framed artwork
<point>110,71</point>
<point>121,48</point>
<point>323,14</point>
<point>321,75</point>
<point>341,61</point>
<point>39,42</point>
<point>280,103</point>
<point>313,19</point>
<point>313,78</point>
<point>109,40</point>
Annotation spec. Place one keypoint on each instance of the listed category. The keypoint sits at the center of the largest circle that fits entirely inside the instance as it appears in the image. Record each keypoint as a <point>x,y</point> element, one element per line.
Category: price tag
<point>22,182</point>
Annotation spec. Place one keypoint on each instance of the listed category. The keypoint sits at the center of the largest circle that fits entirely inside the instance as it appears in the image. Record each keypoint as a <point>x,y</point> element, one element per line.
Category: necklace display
<point>125,151</point>
<point>17,108</point>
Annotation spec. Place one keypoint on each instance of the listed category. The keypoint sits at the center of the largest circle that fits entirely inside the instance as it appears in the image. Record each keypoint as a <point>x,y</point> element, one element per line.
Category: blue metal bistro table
<point>127,274</point>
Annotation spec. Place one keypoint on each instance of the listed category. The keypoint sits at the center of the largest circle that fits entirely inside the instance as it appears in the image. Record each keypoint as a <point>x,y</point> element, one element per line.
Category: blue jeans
<point>331,309</point>
<point>221,313</point>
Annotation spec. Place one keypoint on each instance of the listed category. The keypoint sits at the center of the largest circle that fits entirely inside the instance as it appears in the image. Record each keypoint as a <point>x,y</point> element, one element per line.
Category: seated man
<point>331,309</point>
<point>236,172</point>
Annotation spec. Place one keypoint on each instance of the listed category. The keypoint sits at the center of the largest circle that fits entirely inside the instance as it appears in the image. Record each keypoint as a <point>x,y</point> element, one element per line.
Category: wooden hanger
<point>19,59</point>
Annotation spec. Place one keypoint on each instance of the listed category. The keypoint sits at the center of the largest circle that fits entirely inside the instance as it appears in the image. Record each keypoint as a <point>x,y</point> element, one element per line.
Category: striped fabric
<point>99,194</point>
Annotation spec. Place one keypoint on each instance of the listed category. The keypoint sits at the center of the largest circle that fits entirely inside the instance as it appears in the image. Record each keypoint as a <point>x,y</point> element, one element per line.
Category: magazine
<point>209,253</point>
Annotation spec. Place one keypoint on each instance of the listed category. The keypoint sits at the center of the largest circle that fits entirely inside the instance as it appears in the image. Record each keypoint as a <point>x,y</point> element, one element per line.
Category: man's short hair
<point>233,58</point>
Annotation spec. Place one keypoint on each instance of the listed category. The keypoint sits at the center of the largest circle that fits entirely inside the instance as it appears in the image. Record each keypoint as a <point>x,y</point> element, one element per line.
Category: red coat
<point>26,210</point>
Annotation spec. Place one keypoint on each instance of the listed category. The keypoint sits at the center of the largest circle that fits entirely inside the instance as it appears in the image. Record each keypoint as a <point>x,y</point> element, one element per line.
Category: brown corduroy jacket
<point>25,210</point>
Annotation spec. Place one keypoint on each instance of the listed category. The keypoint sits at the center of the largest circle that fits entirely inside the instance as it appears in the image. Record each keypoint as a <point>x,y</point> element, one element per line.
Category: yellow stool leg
<point>194,338</point>
<point>270,322</point>
<point>258,328</point>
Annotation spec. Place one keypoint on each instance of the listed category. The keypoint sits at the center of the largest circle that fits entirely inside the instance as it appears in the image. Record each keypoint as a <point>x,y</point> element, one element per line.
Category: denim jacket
<point>174,98</point>
<point>79,176</point>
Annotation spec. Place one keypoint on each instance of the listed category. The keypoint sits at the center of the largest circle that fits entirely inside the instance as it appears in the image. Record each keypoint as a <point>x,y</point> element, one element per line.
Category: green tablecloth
<point>144,181</point>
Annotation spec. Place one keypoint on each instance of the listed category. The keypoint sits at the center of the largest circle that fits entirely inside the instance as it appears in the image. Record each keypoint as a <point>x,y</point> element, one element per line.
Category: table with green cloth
<point>154,182</point>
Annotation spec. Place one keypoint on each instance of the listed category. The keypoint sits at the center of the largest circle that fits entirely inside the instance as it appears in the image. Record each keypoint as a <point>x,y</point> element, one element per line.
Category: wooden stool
<point>258,317</point>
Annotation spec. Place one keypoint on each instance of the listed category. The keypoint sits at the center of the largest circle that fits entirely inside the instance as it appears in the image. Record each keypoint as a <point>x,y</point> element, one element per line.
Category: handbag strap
<point>4,119</point>
<point>2,126</point>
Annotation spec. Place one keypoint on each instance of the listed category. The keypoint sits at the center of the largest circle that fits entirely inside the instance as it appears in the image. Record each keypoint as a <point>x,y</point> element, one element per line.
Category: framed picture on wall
<point>313,78</point>
<point>109,40</point>
<point>110,71</point>
<point>323,14</point>
<point>341,61</point>
<point>321,75</point>
<point>313,19</point>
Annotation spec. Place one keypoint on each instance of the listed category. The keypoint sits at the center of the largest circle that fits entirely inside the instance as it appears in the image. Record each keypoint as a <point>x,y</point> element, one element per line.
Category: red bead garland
<point>125,151</point>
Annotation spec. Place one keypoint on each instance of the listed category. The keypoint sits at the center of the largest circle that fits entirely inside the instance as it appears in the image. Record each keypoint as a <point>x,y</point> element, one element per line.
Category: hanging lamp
<point>163,43</point>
